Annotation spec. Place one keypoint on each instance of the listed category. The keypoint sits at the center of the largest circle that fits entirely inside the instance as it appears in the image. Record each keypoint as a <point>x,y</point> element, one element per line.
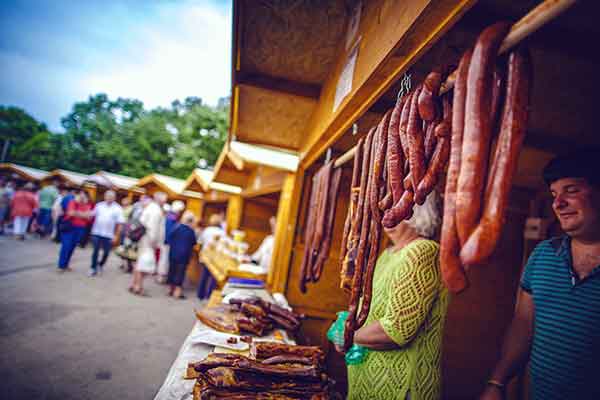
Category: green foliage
<point>120,136</point>
<point>29,141</point>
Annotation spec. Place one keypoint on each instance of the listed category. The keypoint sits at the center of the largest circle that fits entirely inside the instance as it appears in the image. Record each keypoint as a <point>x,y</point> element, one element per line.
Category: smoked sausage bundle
<point>477,194</point>
<point>319,227</point>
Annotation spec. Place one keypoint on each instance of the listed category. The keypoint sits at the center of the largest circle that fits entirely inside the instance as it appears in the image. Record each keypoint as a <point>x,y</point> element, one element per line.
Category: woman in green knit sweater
<point>403,332</point>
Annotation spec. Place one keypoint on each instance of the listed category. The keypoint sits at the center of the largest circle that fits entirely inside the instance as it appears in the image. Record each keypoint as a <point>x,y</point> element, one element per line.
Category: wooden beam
<point>231,177</point>
<point>279,85</point>
<point>287,214</point>
<point>393,36</point>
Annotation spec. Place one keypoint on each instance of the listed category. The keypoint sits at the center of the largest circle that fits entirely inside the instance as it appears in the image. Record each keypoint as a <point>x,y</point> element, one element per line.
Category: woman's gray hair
<point>188,217</point>
<point>427,218</point>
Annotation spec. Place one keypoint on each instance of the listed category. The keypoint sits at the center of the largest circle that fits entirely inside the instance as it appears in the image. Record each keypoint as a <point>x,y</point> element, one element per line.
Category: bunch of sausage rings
<point>428,134</point>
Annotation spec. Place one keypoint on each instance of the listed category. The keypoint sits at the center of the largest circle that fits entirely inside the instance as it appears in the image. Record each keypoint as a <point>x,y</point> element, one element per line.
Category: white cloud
<point>167,51</point>
<point>187,53</point>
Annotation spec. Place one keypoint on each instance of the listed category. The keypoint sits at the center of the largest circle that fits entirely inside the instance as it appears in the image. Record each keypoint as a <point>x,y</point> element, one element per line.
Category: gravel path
<point>67,336</point>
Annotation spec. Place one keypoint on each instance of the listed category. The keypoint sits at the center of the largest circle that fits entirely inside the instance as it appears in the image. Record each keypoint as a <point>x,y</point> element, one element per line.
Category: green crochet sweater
<point>410,302</point>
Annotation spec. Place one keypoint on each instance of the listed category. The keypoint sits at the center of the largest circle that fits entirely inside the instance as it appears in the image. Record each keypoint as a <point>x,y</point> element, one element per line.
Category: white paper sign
<point>344,85</point>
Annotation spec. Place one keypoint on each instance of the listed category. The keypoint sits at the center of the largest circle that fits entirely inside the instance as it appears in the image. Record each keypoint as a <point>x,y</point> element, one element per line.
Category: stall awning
<point>71,178</point>
<point>32,174</point>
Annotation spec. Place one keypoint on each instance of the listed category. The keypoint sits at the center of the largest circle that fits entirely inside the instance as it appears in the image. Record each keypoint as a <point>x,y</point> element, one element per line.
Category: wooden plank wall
<point>477,318</point>
<point>255,221</point>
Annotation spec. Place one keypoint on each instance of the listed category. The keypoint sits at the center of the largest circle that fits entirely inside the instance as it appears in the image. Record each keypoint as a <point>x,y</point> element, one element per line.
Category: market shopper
<point>181,239</point>
<point>153,220</point>
<point>108,219</point>
<point>6,194</point>
<point>57,213</point>
<point>23,205</point>
<point>46,196</point>
<point>207,282</point>
<point>262,256</point>
<point>556,325</point>
<point>403,331</point>
<point>172,215</point>
<point>77,218</point>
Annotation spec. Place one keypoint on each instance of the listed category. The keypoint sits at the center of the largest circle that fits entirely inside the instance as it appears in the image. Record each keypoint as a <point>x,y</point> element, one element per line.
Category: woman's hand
<point>339,349</point>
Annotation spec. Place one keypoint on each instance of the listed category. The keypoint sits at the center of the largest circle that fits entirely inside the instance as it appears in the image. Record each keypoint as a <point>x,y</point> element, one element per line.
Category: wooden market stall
<point>260,174</point>
<point>124,186</point>
<point>173,187</point>
<point>313,80</point>
<point>71,180</point>
<point>214,195</point>
<point>21,172</point>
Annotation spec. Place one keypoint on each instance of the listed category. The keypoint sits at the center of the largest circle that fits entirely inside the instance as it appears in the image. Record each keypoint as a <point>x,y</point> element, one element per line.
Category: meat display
<point>266,350</point>
<point>320,216</point>
<point>281,376</point>
<point>253,315</point>
<point>266,313</point>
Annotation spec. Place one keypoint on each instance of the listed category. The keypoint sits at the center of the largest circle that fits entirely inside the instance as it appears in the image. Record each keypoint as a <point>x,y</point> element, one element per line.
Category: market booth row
<point>313,81</point>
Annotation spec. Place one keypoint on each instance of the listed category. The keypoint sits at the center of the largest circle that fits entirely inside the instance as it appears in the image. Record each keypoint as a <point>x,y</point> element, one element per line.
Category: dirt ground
<point>68,336</point>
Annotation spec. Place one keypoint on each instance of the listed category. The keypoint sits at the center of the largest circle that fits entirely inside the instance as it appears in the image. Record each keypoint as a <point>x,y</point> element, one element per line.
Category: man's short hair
<point>581,164</point>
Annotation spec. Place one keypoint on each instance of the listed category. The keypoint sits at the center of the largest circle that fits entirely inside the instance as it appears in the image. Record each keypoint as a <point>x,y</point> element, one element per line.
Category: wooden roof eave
<point>389,45</point>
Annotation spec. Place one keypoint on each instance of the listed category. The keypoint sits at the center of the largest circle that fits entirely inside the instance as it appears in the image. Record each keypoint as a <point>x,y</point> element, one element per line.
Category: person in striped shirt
<point>556,326</point>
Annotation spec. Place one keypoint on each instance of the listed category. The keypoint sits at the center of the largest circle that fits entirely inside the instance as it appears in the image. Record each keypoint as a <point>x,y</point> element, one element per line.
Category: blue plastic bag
<point>356,354</point>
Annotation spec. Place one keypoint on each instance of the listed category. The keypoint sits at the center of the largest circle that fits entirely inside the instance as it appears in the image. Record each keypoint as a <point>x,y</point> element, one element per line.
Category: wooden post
<point>195,206</point>
<point>233,218</point>
<point>287,213</point>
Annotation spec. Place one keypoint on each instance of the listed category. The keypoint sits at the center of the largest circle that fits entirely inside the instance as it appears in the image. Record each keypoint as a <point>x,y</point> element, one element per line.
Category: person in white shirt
<point>212,231</point>
<point>262,256</point>
<point>153,219</point>
<point>108,218</point>
<point>209,234</point>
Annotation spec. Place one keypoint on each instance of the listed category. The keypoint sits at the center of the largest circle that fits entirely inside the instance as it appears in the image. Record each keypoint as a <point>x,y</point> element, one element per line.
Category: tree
<point>121,136</point>
<point>29,142</point>
<point>200,134</point>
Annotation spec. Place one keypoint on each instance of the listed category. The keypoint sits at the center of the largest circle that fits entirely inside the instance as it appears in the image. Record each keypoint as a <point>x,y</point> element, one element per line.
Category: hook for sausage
<point>328,155</point>
<point>405,85</point>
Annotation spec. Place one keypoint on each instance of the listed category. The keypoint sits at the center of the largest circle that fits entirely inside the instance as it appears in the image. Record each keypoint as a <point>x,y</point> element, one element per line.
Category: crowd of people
<point>150,236</point>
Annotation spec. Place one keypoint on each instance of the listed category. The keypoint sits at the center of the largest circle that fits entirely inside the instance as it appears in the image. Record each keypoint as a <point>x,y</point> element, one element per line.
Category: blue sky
<point>56,52</point>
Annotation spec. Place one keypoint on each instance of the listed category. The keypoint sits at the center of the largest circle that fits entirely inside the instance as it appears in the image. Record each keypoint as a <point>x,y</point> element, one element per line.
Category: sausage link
<point>416,150</point>
<point>365,221</point>
<point>477,130</point>
<point>400,211</point>
<point>395,153</point>
<point>482,242</point>
<point>351,207</point>
<point>308,233</point>
<point>379,152</point>
<point>427,98</point>
<point>451,269</point>
<point>375,241</point>
<point>403,126</point>
<point>354,215</point>
<point>430,138</point>
<point>439,160</point>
